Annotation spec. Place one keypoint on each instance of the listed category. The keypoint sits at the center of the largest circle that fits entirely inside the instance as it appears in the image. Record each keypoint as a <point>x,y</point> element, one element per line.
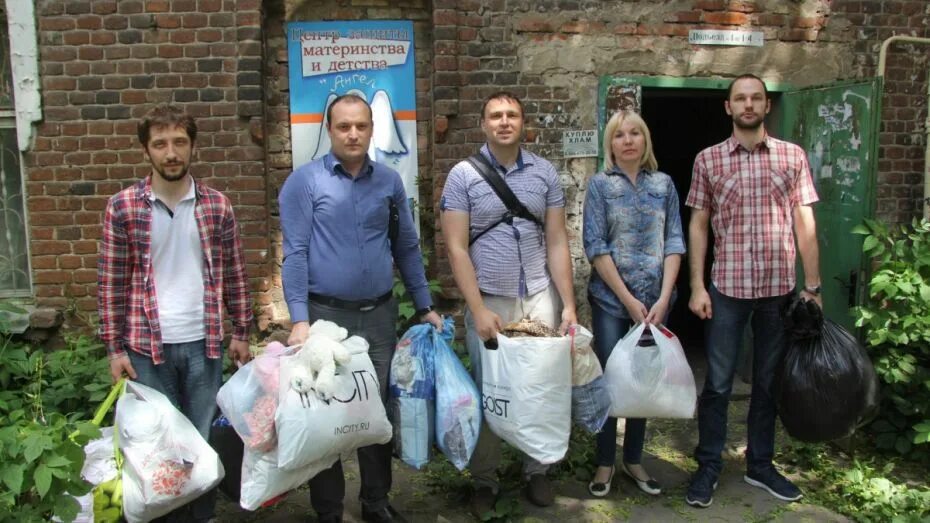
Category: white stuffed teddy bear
<point>318,358</point>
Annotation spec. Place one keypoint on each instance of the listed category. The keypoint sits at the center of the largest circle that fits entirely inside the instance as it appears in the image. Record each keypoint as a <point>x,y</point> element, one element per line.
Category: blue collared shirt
<point>335,230</point>
<point>638,226</point>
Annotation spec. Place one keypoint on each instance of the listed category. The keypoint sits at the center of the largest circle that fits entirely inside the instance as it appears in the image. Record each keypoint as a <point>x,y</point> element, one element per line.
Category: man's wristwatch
<point>813,289</point>
<point>424,311</point>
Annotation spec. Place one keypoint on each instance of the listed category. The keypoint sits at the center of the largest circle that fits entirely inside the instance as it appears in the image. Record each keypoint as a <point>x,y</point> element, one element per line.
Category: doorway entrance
<point>682,122</point>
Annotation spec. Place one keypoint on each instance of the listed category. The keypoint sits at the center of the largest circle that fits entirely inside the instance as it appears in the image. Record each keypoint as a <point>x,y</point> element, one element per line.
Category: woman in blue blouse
<point>633,239</point>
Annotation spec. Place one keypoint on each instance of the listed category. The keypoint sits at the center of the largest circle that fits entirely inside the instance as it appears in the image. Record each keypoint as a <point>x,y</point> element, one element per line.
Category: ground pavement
<point>669,444</point>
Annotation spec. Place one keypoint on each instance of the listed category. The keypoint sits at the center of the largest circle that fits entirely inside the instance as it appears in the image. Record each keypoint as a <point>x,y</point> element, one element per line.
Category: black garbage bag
<point>826,385</point>
<point>229,447</point>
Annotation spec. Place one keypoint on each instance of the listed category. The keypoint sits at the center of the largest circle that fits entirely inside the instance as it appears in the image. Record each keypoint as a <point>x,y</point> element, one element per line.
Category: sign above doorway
<point>722,37</point>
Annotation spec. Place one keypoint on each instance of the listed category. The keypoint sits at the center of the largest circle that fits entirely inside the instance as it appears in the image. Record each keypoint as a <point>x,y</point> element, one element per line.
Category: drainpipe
<point>882,56</point>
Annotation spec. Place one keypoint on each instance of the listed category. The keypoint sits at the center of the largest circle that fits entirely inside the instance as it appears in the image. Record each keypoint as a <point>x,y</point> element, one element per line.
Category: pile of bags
<point>151,462</point>
<point>432,398</point>
<point>826,385</point>
<point>296,413</point>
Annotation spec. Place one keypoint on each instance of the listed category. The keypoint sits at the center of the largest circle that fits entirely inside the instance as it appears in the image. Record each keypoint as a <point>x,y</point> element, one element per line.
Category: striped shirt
<point>509,260</point>
<point>751,196</point>
<point>126,298</point>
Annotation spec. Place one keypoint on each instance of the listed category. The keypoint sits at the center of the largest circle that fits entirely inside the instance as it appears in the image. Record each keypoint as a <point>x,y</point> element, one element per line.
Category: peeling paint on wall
<point>24,62</point>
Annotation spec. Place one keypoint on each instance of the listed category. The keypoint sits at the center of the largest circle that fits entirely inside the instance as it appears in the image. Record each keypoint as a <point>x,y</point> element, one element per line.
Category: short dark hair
<point>747,76</point>
<point>350,98</point>
<point>166,116</point>
<point>502,95</point>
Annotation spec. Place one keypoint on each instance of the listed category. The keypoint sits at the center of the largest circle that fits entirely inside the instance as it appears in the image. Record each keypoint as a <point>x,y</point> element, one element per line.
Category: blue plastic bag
<point>591,405</point>
<point>412,393</point>
<point>458,407</point>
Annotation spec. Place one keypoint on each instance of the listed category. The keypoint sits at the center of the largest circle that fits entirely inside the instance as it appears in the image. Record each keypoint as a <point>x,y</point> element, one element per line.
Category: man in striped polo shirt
<point>756,192</point>
<point>515,269</point>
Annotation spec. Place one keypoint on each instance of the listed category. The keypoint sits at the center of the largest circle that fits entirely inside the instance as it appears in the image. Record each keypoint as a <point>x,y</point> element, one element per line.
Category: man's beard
<point>751,126</point>
<point>171,177</point>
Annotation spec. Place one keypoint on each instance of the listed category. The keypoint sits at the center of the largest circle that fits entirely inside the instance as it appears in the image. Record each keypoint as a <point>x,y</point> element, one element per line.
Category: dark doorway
<point>682,123</point>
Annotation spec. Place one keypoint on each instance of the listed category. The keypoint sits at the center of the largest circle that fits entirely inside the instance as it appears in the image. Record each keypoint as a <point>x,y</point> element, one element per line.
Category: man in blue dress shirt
<point>339,266</point>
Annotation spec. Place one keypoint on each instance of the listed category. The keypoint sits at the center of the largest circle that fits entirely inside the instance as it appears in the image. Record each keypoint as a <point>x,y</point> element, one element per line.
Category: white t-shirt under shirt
<point>177,262</point>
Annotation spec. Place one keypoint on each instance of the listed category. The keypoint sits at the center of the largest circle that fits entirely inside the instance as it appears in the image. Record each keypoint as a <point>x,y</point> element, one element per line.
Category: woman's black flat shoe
<point>650,486</point>
<point>602,489</point>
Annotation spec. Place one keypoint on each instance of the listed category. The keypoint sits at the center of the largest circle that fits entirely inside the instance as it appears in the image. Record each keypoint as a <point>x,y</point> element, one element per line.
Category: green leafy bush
<point>897,323</point>
<point>45,399</point>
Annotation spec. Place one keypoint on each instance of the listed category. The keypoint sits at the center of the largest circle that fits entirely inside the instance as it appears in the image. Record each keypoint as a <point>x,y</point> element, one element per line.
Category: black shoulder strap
<point>393,221</point>
<point>515,207</point>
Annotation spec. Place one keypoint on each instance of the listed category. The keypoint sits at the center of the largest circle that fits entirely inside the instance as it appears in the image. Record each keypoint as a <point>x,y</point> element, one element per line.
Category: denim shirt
<point>638,226</point>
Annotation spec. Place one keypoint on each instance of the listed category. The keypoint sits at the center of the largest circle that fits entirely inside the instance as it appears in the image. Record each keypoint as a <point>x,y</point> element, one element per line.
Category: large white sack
<point>310,430</point>
<point>526,394</point>
<point>167,463</point>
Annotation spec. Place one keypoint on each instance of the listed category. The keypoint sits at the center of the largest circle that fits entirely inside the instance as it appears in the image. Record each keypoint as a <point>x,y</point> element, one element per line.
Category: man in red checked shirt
<point>169,258</point>
<point>756,192</point>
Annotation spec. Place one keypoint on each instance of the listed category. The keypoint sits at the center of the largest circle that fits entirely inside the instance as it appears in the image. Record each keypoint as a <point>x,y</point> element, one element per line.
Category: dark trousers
<point>723,337</point>
<point>608,330</point>
<point>328,488</point>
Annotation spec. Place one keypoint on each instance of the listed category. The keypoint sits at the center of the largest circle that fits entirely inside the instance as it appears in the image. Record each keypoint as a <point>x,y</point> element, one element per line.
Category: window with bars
<point>14,252</point>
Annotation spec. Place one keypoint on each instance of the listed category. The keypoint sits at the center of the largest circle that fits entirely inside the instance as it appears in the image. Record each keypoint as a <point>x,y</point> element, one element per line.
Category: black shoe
<point>385,515</point>
<point>483,500</point>
<point>330,518</point>
<point>701,490</point>
<point>539,490</point>
<point>777,485</point>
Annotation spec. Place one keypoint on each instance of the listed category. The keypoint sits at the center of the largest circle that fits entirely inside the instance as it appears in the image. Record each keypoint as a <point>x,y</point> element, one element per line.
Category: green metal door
<point>838,127</point>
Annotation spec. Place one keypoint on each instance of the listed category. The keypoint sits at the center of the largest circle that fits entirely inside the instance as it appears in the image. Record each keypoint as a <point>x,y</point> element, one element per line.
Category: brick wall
<point>278,112</point>
<point>901,164</point>
<point>105,63</point>
<point>552,52</point>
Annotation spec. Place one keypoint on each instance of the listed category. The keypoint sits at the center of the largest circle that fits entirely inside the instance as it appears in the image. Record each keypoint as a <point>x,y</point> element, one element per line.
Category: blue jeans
<point>190,381</point>
<point>723,337</point>
<point>608,330</point>
<point>328,488</point>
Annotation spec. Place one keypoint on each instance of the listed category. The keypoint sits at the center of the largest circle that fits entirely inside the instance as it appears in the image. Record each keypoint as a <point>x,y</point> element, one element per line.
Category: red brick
<point>710,5</point>
<point>533,25</point>
<point>445,17</point>
<point>770,19</point>
<point>685,17</point>
<point>728,18</point>
<point>799,35</point>
<point>157,6</point>
<point>583,27</point>
<point>807,22</point>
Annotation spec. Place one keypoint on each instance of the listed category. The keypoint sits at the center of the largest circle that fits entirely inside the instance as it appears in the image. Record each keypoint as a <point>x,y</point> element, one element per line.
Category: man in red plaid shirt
<point>756,192</point>
<point>169,257</point>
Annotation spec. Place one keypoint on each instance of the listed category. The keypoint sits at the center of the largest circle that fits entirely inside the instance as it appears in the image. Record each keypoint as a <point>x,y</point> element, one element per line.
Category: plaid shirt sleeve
<point>804,192</point>
<point>699,195</point>
<point>235,280</point>
<point>113,279</point>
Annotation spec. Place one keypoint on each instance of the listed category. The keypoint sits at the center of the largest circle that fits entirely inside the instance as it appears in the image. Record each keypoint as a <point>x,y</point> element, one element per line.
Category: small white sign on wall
<point>723,37</point>
<point>579,144</point>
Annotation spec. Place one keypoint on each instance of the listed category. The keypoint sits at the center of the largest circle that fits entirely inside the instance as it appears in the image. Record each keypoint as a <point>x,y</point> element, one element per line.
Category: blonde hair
<point>648,161</point>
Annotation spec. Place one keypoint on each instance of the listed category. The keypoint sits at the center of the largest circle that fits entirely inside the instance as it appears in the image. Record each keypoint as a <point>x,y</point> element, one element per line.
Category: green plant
<point>41,466</point>
<point>897,323</point>
<point>45,398</point>
<point>405,306</point>
<point>859,489</point>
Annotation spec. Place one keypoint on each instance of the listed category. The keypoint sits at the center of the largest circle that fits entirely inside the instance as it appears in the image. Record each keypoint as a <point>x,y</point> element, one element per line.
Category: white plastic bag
<point>167,462</point>
<point>652,379</point>
<point>250,396</point>
<point>526,394</point>
<point>263,480</point>
<point>311,430</point>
